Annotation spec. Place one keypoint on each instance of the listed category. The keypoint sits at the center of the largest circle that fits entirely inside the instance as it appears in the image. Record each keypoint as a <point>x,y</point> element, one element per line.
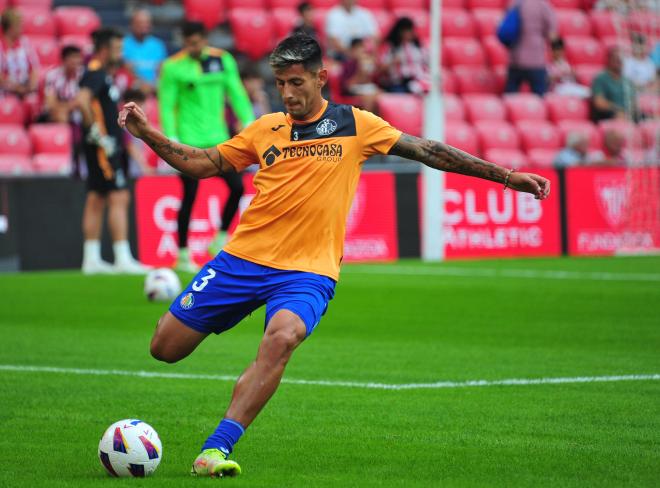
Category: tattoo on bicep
<point>446,158</point>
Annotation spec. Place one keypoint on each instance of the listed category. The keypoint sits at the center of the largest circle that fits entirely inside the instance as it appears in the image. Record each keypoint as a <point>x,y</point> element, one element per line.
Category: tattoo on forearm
<point>446,158</point>
<point>217,164</point>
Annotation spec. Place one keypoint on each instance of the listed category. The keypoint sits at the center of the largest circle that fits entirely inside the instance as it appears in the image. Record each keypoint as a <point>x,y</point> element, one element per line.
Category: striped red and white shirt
<point>64,87</point>
<point>17,61</point>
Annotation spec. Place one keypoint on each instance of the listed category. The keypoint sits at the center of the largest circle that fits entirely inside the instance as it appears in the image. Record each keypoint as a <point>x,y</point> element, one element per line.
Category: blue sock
<point>225,436</point>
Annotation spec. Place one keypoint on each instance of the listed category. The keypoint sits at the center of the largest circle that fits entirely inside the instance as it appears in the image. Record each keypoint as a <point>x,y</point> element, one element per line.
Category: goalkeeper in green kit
<point>191,96</point>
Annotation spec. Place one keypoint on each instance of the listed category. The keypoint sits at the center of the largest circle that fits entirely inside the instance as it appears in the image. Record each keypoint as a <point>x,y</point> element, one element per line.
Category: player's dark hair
<point>69,50</point>
<point>134,95</point>
<point>297,49</point>
<point>9,17</point>
<point>303,7</point>
<point>357,42</point>
<point>191,27</point>
<point>103,36</point>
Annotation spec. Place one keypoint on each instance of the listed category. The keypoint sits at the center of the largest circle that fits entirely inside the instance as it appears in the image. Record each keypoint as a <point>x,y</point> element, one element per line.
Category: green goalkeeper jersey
<point>191,97</point>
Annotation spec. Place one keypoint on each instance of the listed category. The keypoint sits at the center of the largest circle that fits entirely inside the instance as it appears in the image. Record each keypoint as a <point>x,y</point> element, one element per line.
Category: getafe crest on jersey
<point>326,127</point>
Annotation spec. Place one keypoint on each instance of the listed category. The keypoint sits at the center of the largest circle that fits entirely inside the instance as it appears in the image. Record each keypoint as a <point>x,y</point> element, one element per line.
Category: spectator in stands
<point>135,148</point>
<point>562,78</point>
<point>527,59</point>
<point>613,95</point>
<point>655,56</point>
<point>576,152</point>
<point>60,102</point>
<point>346,22</point>
<point>404,62</point>
<point>143,52</point>
<point>305,25</point>
<point>19,65</point>
<point>255,88</point>
<point>614,154</point>
<point>639,67</point>
<point>358,76</point>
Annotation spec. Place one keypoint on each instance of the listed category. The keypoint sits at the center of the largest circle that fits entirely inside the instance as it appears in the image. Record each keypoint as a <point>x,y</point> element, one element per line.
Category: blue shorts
<point>228,289</point>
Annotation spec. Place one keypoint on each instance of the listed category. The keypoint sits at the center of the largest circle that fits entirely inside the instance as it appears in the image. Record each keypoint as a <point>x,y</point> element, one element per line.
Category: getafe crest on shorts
<point>326,127</point>
<point>187,301</point>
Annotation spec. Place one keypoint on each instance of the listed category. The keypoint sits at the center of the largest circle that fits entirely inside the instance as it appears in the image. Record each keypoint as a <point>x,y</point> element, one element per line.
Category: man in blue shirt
<point>143,52</point>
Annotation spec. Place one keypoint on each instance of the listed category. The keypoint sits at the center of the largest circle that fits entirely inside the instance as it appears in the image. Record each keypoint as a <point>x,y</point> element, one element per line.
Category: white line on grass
<point>500,273</point>
<point>347,384</point>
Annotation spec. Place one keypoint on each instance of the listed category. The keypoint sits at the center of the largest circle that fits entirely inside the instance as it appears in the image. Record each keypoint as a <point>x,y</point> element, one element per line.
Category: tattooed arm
<point>447,158</point>
<point>194,162</point>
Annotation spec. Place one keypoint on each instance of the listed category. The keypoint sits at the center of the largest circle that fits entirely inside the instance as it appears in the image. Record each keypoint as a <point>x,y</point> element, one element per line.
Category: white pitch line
<point>501,273</point>
<point>347,384</point>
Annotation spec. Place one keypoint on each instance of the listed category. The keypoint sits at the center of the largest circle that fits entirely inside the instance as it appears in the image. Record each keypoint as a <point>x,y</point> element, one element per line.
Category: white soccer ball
<point>130,448</point>
<point>162,285</point>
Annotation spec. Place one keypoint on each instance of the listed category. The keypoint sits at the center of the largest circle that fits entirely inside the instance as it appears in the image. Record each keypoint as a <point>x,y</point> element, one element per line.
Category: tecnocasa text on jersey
<point>323,151</point>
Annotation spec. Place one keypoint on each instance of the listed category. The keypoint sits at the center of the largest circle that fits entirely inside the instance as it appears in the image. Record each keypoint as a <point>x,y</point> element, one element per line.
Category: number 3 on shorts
<point>205,281</point>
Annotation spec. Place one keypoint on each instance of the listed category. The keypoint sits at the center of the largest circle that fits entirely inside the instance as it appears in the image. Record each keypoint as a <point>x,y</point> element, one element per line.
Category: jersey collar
<point>313,118</point>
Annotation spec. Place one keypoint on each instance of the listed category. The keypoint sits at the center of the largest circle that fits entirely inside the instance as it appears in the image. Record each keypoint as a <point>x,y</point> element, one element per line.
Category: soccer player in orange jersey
<point>287,248</point>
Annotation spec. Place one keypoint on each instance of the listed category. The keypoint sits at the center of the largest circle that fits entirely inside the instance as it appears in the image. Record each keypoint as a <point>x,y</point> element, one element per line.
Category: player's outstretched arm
<point>447,158</point>
<point>197,163</point>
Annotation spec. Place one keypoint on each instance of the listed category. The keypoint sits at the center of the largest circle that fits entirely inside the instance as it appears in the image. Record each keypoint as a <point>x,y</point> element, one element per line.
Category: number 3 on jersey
<point>205,281</point>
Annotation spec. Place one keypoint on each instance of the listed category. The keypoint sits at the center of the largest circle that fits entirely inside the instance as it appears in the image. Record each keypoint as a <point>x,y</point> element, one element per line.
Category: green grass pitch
<point>393,324</point>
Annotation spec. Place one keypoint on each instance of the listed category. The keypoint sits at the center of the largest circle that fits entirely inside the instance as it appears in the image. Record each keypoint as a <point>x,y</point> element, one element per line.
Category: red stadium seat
<point>496,53</point>
<point>651,133</point>
<point>290,4</point>
<point>452,4</point>
<point>585,73</point>
<point>284,20</point>
<point>405,112</point>
<point>448,81</point>
<point>420,18</point>
<point>253,31</point>
<point>462,136</point>
<point>573,23</point>
<point>649,104</point>
<point>541,158</point>
<point>584,50</point>
<point>83,42</point>
<point>373,4</point>
<point>475,80</point>
<point>608,24</point>
<point>11,111</point>
<point>461,51</point>
<point>37,21</point>
<point>384,19</point>
<point>497,135</point>
<point>537,134</point>
<point>51,138</point>
<point>644,21</point>
<point>42,4</point>
<point>209,12</point>
<point>46,163</point>
<point>47,49</point>
<point>567,4</point>
<point>260,4</point>
<point>14,140</point>
<point>151,110</point>
<point>15,165</point>
<point>421,4</point>
<point>585,127</point>
<point>493,4</point>
<point>454,109</point>
<point>324,4</point>
<point>524,106</point>
<point>622,43</point>
<point>483,107</point>
<point>566,108</point>
<point>487,20</point>
<point>457,23</point>
<point>511,158</point>
<point>80,21</point>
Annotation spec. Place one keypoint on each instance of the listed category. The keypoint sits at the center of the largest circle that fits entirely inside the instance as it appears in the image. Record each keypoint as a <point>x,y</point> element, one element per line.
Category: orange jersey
<point>308,173</point>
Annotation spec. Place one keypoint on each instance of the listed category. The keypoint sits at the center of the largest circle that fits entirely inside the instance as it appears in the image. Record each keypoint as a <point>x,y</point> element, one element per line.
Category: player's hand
<point>530,183</point>
<point>133,118</point>
<point>104,141</point>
